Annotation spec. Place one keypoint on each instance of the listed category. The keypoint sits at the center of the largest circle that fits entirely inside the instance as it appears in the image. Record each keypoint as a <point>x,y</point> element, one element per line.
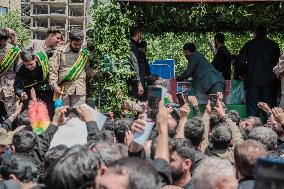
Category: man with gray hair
<point>215,173</point>
<point>69,66</point>
<point>246,155</point>
<point>266,136</point>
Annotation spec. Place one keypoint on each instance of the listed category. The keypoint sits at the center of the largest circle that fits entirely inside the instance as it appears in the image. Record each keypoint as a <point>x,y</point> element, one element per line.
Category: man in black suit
<point>207,78</point>
<point>259,56</point>
<point>222,59</point>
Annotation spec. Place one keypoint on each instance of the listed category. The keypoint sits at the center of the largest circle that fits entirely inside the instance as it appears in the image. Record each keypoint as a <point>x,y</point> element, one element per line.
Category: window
<point>3,10</point>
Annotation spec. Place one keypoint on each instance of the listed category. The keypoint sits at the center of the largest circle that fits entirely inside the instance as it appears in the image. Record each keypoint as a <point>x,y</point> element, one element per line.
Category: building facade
<point>40,15</point>
<point>9,5</point>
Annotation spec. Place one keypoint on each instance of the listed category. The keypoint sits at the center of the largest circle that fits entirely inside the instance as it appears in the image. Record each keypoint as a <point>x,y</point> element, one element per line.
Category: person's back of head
<point>123,125</point>
<point>194,130</point>
<point>246,154</point>
<point>135,173</point>
<point>189,47</point>
<point>214,120</point>
<point>108,136</point>
<point>54,154</point>
<point>109,125</point>
<point>214,173</point>
<point>260,31</point>
<point>221,136</point>
<point>21,167</point>
<point>77,168</point>
<point>111,153</point>
<point>24,141</point>
<point>23,119</point>
<point>256,121</point>
<point>234,116</point>
<point>220,38</point>
<point>266,136</point>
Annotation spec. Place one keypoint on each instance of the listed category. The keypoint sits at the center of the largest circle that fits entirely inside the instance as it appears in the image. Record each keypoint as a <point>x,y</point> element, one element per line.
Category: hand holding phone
<point>155,94</point>
<point>181,99</point>
<point>142,136</point>
<point>213,100</point>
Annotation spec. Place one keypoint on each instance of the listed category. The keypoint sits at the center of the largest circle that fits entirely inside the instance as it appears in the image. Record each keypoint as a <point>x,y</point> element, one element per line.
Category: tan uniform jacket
<point>225,153</point>
<point>8,78</point>
<point>37,45</point>
<point>59,64</point>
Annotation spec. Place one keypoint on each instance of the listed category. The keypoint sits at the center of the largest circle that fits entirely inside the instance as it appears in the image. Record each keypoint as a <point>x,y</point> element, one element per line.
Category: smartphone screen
<point>154,97</point>
<point>213,100</point>
<point>155,94</point>
<point>181,99</point>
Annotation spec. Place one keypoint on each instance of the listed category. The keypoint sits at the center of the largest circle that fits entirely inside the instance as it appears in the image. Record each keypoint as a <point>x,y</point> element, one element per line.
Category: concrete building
<point>9,5</point>
<point>40,15</point>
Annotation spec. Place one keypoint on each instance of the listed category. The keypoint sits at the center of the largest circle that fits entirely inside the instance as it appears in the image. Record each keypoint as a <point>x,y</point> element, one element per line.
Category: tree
<point>13,20</point>
<point>109,36</point>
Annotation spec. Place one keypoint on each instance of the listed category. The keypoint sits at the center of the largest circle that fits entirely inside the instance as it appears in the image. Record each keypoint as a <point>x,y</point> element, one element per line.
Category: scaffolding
<point>40,15</point>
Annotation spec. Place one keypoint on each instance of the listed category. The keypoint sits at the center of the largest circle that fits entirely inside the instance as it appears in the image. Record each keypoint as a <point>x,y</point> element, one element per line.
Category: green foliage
<point>109,35</point>
<point>13,20</point>
<point>168,26</point>
<point>202,17</point>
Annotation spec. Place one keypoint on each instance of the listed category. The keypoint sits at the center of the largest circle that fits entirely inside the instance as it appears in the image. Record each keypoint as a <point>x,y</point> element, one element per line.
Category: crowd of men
<point>215,149</point>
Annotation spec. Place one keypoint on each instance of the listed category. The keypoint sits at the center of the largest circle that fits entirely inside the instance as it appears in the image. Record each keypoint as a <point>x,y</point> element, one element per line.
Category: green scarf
<point>9,58</point>
<point>77,67</point>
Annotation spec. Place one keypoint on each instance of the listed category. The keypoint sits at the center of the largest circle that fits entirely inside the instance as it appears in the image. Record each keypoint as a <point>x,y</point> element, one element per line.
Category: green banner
<point>9,58</point>
<point>43,60</point>
<point>77,68</point>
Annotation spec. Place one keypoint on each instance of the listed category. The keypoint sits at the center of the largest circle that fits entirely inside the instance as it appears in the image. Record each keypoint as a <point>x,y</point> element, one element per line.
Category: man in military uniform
<point>69,68</point>
<point>8,58</point>
<point>33,73</point>
<point>48,45</point>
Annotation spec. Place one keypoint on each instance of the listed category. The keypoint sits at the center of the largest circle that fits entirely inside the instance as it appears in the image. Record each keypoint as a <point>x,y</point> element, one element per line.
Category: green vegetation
<point>13,20</point>
<point>167,27</point>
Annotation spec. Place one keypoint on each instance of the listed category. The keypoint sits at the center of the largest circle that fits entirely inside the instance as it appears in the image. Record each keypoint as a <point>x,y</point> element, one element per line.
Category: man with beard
<point>68,69</point>
<point>182,154</point>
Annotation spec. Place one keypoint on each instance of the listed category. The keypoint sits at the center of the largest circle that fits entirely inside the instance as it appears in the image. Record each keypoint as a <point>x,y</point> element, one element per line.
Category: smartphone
<point>141,138</point>
<point>181,99</point>
<point>154,97</point>
<point>213,100</point>
<point>155,94</point>
<point>71,111</point>
<point>269,174</point>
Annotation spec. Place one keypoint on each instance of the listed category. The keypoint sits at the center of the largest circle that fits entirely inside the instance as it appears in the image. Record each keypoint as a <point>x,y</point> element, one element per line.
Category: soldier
<point>8,58</point>
<point>69,67</point>
<point>33,73</point>
<point>49,44</point>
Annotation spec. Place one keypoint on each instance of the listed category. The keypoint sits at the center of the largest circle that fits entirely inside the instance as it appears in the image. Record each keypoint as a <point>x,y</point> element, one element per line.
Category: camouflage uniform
<point>6,84</point>
<point>59,64</point>
<point>39,45</point>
